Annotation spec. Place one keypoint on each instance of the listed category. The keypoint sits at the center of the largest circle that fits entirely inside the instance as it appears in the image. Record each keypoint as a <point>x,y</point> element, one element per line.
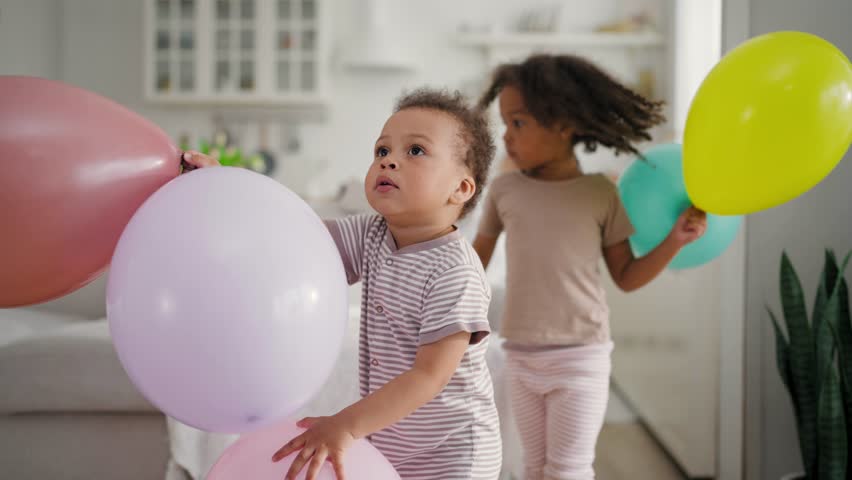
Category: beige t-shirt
<point>555,235</point>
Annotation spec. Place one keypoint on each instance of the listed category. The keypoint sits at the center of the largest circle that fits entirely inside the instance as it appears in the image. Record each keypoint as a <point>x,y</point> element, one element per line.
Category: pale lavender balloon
<point>227,300</point>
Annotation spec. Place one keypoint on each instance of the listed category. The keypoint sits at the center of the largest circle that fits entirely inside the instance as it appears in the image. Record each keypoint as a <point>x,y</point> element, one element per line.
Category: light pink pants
<point>559,398</point>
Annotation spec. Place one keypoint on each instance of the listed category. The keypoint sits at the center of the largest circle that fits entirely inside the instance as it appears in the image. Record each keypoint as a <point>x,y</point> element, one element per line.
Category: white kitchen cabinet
<point>236,52</point>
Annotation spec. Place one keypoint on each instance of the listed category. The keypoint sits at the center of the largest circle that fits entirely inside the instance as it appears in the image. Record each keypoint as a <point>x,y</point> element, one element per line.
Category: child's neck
<point>405,235</point>
<point>564,167</point>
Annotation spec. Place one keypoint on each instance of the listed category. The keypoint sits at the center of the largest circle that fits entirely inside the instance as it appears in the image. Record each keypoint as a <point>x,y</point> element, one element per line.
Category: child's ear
<point>566,132</point>
<point>464,191</point>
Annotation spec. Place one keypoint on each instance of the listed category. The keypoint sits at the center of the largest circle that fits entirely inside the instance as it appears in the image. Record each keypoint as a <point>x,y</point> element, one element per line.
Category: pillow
<point>70,369</point>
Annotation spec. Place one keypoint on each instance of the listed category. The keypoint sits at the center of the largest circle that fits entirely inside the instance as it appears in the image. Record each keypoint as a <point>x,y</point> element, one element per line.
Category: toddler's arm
<point>484,246</point>
<point>631,273</point>
<point>490,227</point>
<point>328,437</point>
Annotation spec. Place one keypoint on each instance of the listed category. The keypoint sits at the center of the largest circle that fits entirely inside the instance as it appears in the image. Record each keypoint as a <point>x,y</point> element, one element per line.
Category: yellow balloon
<point>769,122</point>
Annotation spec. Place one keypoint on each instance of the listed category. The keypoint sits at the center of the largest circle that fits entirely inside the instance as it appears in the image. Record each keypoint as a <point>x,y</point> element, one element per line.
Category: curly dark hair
<point>477,144</point>
<point>572,90</point>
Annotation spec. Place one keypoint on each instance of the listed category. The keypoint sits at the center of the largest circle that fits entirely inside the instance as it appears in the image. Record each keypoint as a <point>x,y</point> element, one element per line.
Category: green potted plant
<point>815,363</point>
<point>232,157</point>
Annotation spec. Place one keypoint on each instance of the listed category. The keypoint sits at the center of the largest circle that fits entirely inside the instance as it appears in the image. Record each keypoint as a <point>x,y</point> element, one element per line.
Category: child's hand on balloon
<point>326,439</point>
<point>190,160</point>
<point>690,226</point>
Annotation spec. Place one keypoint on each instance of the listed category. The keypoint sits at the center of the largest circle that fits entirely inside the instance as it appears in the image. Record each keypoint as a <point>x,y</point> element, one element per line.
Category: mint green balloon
<point>654,194</point>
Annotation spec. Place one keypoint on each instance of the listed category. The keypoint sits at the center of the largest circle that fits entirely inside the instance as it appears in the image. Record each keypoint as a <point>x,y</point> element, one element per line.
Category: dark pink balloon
<point>74,167</point>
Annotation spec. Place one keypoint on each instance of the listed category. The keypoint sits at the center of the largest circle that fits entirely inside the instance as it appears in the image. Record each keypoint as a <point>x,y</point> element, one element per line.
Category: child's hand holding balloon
<point>326,439</point>
<point>190,160</point>
<point>690,226</point>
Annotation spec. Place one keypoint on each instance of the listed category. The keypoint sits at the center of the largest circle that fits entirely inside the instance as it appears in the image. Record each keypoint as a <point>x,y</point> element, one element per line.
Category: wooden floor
<point>626,452</point>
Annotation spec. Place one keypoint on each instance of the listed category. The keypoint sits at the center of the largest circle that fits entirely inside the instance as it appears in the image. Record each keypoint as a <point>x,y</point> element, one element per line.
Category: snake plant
<point>815,363</point>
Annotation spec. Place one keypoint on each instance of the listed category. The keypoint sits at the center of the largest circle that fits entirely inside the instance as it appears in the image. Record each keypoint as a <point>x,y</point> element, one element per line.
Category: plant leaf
<point>843,323</point>
<point>823,342</point>
<point>845,263</point>
<point>838,309</point>
<point>802,363</point>
<point>826,284</point>
<point>837,313</point>
<point>832,440</point>
<point>782,358</point>
<point>846,391</point>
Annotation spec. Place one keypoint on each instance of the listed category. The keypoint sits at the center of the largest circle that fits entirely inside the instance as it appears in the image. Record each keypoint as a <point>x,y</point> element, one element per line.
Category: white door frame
<point>735,359</point>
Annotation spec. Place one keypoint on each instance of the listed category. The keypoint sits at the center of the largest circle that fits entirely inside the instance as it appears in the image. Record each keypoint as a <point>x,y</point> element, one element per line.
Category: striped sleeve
<point>457,301</point>
<point>349,234</point>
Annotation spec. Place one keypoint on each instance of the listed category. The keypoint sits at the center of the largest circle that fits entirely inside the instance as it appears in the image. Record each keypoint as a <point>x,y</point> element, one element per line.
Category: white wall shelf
<point>637,58</point>
<point>247,100</point>
<point>623,54</point>
<point>590,39</point>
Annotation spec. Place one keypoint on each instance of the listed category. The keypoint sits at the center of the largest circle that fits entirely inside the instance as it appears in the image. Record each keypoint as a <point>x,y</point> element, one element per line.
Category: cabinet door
<point>173,40</point>
<point>297,47</point>
<point>234,53</point>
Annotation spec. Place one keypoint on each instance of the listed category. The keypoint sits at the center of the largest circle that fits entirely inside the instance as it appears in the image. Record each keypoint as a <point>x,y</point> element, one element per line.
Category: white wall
<point>697,48</point>
<point>819,219</point>
<point>30,33</point>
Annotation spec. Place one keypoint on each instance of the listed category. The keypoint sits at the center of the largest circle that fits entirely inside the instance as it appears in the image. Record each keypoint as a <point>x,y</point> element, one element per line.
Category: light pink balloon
<point>227,300</point>
<point>250,457</point>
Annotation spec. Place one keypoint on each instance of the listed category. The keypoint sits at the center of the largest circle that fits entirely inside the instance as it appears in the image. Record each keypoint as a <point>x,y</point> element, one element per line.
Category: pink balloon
<point>74,166</point>
<point>226,300</point>
<point>250,458</point>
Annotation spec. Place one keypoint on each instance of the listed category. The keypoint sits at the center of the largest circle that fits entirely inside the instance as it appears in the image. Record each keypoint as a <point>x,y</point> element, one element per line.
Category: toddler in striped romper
<point>427,401</point>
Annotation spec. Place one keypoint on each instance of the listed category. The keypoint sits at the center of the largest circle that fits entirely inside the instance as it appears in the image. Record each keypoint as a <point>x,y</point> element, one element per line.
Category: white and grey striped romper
<point>415,296</point>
